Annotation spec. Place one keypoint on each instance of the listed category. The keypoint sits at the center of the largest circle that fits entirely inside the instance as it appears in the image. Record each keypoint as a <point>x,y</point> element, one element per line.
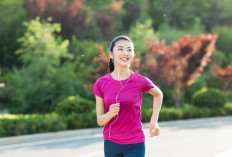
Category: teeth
<point>125,58</point>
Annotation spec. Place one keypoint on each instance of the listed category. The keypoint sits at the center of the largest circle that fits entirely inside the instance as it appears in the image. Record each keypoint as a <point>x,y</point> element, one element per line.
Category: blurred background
<point>52,52</point>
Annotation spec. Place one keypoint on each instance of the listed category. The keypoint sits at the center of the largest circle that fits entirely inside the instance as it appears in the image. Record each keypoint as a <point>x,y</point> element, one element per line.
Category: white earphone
<point>116,99</point>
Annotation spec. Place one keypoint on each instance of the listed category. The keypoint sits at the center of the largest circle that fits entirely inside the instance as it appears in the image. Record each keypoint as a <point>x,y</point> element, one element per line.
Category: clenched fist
<point>114,109</point>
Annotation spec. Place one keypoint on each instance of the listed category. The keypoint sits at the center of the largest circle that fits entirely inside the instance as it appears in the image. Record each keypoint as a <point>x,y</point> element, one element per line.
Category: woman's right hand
<point>114,109</point>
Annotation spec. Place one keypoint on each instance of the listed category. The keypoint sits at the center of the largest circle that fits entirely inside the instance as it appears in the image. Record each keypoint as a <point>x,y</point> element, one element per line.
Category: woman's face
<point>123,53</point>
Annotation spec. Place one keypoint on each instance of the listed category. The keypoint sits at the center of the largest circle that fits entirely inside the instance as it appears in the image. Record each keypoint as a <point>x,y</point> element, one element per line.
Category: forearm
<point>157,103</point>
<point>104,118</point>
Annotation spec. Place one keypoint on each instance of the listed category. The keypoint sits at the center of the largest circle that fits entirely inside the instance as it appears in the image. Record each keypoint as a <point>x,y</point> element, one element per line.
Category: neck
<point>121,73</point>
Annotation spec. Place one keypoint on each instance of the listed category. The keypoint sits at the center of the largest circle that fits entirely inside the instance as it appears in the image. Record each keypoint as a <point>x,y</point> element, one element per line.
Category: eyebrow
<point>122,46</point>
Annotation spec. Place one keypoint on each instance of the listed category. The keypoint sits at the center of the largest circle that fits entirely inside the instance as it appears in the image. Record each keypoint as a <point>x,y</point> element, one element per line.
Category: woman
<point>118,103</point>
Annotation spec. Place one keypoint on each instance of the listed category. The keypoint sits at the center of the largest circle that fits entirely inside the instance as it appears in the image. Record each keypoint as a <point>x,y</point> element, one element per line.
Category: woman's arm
<point>102,117</point>
<point>157,103</point>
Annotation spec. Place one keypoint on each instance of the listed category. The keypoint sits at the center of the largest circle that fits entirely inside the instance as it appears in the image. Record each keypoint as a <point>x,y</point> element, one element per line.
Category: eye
<point>120,49</point>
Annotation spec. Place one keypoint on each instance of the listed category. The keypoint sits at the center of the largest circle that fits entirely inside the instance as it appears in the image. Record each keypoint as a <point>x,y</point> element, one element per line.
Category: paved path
<point>208,137</point>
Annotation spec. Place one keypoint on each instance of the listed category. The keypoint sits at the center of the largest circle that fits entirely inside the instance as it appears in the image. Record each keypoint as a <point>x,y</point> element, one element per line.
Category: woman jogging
<point>118,103</point>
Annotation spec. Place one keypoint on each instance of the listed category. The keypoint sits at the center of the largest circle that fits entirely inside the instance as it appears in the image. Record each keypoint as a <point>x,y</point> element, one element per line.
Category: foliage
<point>74,105</point>
<point>220,58</point>
<point>171,34</point>
<point>11,17</point>
<point>39,79</point>
<point>228,107</point>
<point>12,96</point>
<point>140,33</point>
<point>129,19</point>
<point>78,112</point>
<point>12,125</point>
<point>180,13</point>
<point>181,63</point>
<point>83,120</point>
<point>168,100</point>
<point>209,97</point>
<point>224,39</point>
<point>71,14</point>
<point>199,83</point>
<point>190,111</point>
<point>224,73</point>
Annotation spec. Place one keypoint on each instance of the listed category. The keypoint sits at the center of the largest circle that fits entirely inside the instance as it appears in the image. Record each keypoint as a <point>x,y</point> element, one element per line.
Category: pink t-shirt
<point>127,127</point>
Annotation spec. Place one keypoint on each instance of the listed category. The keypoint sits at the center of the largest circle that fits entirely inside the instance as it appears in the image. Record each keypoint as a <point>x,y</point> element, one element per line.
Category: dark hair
<point>112,44</point>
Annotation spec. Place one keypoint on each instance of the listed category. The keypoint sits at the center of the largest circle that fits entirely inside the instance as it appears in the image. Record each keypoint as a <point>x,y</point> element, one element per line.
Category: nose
<point>125,52</point>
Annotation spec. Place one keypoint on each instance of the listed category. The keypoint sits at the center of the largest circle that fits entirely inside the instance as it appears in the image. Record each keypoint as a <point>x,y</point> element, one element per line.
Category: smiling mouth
<point>124,59</point>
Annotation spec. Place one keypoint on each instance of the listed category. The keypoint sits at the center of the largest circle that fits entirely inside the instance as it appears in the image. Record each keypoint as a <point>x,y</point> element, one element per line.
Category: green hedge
<point>77,112</point>
<point>74,105</point>
<point>12,125</point>
<point>209,97</point>
<point>188,111</point>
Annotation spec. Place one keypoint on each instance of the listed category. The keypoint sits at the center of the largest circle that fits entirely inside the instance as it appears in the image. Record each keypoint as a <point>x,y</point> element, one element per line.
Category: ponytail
<point>111,65</point>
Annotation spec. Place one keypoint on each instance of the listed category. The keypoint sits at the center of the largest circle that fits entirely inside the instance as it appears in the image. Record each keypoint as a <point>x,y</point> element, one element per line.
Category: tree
<point>224,73</point>
<point>42,80</point>
<point>179,64</point>
<point>12,15</point>
<point>71,14</point>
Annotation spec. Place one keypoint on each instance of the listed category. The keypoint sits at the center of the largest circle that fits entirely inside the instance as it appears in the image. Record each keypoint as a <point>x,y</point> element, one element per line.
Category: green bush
<point>12,125</point>
<point>166,114</point>
<point>225,38</point>
<point>74,105</point>
<point>77,112</point>
<point>168,100</point>
<point>190,111</point>
<point>207,97</point>
<point>11,17</point>
<point>228,108</point>
<point>197,85</point>
<point>81,120</point>
<point>169,113</point>
<point>187,111</point>
<point>146,114</point>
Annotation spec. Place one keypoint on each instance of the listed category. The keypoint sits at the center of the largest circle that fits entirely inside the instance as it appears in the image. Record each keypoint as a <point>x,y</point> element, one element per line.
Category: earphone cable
<point>122,87</point>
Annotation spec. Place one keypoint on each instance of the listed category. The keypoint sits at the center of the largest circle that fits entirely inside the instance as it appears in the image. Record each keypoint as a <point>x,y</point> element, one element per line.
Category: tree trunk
<point>177,96</point>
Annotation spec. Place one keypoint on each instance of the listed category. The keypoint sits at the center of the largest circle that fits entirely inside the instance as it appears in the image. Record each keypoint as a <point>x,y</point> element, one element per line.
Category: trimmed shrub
<point>228,108</point>
<point>77,112</point>
<point>169,113</point>
<point>225,38</point>
<point>166,114</point>
<point>13,125</point>
<point>208,98</point>
<point>74,105</point>
<point>197,85</point>
<point>189,111</point>
<point>82,120</point>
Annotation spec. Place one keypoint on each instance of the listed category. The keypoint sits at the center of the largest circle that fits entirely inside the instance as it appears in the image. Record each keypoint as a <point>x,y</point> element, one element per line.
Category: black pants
<point>124,150</point>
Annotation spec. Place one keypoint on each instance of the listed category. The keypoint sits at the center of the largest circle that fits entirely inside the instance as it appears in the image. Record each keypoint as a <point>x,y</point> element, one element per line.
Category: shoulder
<point>103,78</point>
<point>141,78</point>
<point>138,76</point>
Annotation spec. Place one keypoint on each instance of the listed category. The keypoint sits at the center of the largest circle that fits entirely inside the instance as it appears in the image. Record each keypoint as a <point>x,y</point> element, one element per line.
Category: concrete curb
<point>92,131</point>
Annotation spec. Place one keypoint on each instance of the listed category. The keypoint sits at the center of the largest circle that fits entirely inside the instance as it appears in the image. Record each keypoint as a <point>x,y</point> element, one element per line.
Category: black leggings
<point>124,150</point>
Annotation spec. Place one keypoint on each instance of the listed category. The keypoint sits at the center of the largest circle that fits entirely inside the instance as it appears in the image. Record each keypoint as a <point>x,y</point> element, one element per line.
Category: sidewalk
<point>91,131</point>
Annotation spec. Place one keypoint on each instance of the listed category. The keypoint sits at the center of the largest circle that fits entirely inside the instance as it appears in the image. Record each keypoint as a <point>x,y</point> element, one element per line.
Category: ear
<point>111,55</point>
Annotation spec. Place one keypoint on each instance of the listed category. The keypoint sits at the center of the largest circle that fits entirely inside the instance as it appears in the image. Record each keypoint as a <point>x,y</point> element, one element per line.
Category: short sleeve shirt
<point>126,128</point>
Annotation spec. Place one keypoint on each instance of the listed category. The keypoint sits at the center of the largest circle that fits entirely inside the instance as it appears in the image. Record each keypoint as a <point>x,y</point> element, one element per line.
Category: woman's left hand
<point>154,128</point>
